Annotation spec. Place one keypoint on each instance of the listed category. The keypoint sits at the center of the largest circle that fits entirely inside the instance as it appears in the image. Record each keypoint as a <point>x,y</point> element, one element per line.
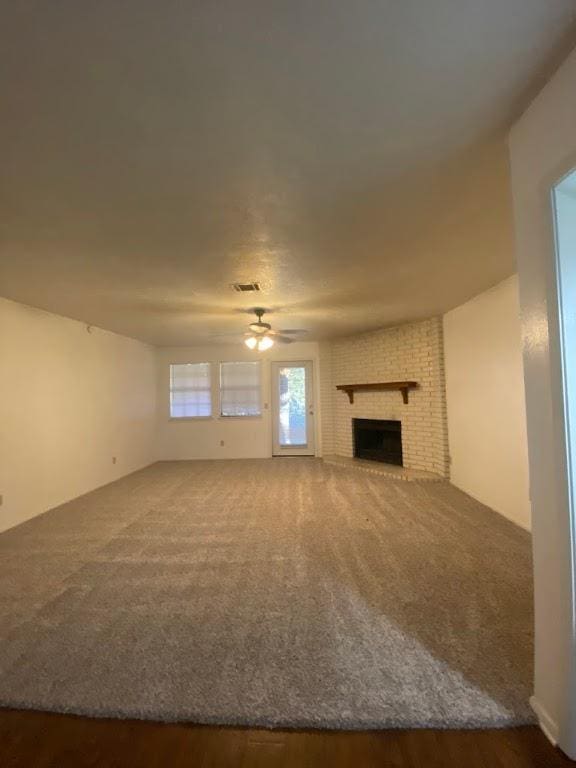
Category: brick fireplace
<point>412,352</point>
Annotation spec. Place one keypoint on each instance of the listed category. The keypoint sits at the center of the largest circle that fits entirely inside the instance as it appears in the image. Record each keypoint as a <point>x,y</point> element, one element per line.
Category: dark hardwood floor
<point>40,740</point>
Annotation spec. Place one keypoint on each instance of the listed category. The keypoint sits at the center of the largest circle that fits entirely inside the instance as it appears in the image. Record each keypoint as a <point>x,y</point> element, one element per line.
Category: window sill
<point>242,418</point>
<point>190,418</point>
<point>215,418</point>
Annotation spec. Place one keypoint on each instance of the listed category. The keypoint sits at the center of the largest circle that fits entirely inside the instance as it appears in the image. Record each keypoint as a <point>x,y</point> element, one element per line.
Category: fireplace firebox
<point>378,440</point>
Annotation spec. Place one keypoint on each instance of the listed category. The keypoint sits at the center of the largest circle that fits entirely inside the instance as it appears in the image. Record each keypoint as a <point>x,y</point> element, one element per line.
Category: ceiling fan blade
<point>288,332</point>
<point>226,338</point>
<point>283,339</point>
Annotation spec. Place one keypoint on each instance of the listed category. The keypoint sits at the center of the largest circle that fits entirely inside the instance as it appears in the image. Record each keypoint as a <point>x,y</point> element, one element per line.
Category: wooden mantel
<point>401,386</point>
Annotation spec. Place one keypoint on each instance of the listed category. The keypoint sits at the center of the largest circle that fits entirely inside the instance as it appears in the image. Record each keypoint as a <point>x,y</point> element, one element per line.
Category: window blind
<point>190,390</point>
<point>240,389</point>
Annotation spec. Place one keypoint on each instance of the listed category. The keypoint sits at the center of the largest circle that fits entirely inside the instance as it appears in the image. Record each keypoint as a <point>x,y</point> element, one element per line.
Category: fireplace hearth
<point>378,440</point>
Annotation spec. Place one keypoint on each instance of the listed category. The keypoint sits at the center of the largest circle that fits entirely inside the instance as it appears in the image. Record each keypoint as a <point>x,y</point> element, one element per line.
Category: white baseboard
<point>547,724</point>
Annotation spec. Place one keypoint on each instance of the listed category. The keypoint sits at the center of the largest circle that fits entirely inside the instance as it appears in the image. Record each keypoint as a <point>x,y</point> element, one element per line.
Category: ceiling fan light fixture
<point>251,342</point>
<point>261,336</point>
<point>265,343</point>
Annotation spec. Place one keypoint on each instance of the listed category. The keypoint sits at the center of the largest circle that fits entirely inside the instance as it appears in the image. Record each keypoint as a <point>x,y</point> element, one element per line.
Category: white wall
<point>69,401</point>
<point>543,148</point>
<point>249,437</point>
<point>486,405</point>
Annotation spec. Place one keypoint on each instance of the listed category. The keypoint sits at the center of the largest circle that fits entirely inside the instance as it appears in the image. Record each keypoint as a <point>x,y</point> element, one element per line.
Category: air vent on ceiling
<point>246,287</point>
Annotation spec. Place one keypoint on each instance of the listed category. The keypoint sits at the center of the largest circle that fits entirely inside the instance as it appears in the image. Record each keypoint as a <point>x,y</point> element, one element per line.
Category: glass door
<point>564,204</point>
<point>293,409</point>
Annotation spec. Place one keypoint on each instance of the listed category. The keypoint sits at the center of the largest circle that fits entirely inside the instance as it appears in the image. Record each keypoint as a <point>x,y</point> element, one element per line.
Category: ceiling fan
<point>261,336</point>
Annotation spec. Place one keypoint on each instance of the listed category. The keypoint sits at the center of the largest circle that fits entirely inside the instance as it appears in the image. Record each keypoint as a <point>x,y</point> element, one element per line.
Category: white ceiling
<point>347,155</point>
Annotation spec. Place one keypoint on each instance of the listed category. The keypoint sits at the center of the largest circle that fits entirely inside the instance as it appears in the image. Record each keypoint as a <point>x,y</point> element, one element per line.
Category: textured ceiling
<point>349,156</point>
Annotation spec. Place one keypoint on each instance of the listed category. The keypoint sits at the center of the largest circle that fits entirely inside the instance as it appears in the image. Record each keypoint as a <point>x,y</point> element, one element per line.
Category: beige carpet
<point>277,592</point>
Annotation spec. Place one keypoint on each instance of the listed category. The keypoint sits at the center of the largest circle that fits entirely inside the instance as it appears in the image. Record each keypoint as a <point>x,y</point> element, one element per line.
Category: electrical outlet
<point>113,459</point>
<point>222,443</point>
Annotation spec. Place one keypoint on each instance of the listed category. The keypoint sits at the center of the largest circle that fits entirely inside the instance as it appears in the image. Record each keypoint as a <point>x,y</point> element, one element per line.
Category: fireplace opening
<point>378,440</point>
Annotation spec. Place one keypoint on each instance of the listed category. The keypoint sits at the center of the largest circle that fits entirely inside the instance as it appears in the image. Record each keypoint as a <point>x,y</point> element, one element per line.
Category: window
<point>190,395</point>
<point>240,389</point>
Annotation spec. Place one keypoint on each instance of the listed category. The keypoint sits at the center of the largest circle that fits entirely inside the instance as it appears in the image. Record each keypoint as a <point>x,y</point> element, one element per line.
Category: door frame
<point>553,524</point>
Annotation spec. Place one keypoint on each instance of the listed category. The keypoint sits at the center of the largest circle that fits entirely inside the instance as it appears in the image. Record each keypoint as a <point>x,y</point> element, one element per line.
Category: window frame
<point>260,391</point>
<point>210,389</point>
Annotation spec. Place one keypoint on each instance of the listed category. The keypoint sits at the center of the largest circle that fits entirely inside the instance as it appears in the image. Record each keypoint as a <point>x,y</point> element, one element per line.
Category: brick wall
<point>409,352</point>
<point>327,393</point>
